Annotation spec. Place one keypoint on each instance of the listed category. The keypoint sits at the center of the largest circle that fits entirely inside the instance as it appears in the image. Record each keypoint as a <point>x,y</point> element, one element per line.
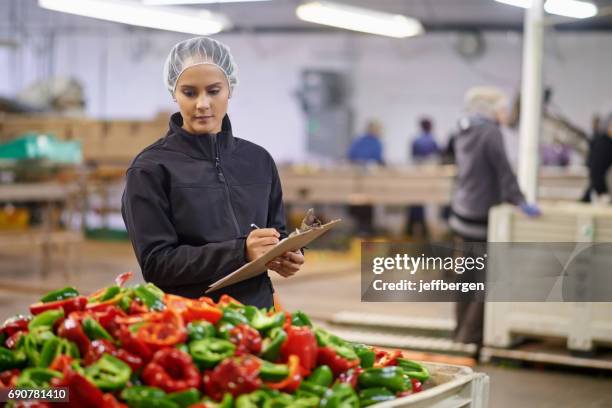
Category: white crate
<point>451,387</point>
<point>582,324</point>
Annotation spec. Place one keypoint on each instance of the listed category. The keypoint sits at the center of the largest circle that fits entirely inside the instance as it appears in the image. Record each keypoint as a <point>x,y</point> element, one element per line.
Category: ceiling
<point>436,15</point>
<point>279,15</point>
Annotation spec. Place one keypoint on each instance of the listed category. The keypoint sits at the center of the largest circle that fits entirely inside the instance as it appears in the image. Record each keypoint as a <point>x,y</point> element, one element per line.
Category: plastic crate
<point>582,324</point>
<point>36,146</point>
<point>450,386</point>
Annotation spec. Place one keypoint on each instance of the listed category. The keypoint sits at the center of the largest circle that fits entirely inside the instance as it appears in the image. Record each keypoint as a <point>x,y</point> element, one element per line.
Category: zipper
<point>224,182</point>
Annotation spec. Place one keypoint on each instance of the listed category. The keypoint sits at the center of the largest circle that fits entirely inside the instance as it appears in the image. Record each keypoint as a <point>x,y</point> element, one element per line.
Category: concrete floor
<point>328,284</point>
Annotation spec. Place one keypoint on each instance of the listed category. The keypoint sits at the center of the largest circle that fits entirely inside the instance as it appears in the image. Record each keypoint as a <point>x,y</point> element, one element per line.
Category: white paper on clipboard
<point>258,266</point>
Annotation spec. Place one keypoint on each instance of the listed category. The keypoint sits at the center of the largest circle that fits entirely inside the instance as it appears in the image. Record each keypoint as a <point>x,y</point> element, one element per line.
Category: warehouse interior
<point>81,95</point>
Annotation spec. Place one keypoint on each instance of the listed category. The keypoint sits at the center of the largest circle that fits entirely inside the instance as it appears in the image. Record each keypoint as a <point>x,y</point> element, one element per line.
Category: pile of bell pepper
<point>139,347</point>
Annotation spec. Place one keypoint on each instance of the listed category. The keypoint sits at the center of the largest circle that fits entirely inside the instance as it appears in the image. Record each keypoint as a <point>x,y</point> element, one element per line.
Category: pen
<point>254,226</point>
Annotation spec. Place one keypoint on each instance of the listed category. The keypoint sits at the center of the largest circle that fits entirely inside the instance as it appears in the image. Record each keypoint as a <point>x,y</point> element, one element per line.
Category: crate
<point>584,325</point>
<point>450,386</point>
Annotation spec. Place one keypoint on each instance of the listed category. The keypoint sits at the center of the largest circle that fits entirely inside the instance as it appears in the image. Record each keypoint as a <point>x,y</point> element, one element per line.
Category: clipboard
<point>258,266</point>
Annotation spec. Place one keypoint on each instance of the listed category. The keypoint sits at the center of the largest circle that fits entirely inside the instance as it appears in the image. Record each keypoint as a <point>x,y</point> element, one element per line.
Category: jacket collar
<point>200,146</point>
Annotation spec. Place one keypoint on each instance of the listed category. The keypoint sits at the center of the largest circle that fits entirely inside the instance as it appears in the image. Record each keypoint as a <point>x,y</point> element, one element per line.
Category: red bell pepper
<point>136,346</point>
<point>162,329</point>
<point>246,339</point>
<point>137,308</point>
<point>99,347</point>
<point>15,324</point>
<point>8,378</point>
<point>190,309</point>
<point>61,363</point>
<point>293,380</point>
<point>69,305</point>
<point>124,277</point>
<point>386,358</point>
<point>82,392</point>
<point>328,356</point>
<point>71,329</point>
<point>235,376</point>
<point>301,342</point>
<point>171,370</point>
<point>13,339</point>
<point>226,300</point>
<point>351,376</point>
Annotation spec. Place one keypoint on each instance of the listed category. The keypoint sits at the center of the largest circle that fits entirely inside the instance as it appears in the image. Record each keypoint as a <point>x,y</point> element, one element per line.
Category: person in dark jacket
<point>191,197</point>
<point>484,179</point>
<point>599,162</point>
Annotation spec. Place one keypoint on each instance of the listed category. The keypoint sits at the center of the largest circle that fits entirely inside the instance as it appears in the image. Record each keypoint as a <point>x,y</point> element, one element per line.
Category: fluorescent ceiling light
<point>171,2</point>
<point>127,12</point>
<point>517,3</point>
<point>359,19</point>
<point>571,8</point>
<point>567,8</point>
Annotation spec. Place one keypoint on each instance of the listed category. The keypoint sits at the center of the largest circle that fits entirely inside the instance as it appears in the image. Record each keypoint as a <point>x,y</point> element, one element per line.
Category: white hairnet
<point>198,51</point>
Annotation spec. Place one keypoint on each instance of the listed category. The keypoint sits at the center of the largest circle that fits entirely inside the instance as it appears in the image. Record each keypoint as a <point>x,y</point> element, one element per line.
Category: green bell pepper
<point>108,373</point>
<point>185,398</point>
<point>226,402</point>
<point>46,319</point>
<point>10,359</point>
<point>272,344</point>
<point>60,294</point>
<point>31,344</point>
<point>342,348</point>
<point>306,401</point>
<point>94,330</point>
<point>311,389</point>
<point>273,372</point>
<point>256,399</point>
<point>151,296</point>
<point>371,396</point>
<point>234,317</point>
<point>55,347</point>
<point>341,395</point>
<point>141,396</point>
<point>366,355</point>
<point>262,322</point>
<point>413,369</point>
<point>280,401</point>
<point>300,318</point>
<point>108,294</point>
<point>322,376</point>
<point>200,329</point>
<point>391,377</point>
<point>209,352</point>
<point>37,377</point>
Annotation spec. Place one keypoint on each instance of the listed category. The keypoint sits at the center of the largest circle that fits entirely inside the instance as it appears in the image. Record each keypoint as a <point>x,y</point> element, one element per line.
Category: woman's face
<point>202,93</point>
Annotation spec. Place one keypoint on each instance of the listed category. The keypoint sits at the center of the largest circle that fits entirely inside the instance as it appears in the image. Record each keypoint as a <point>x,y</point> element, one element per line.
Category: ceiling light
<point>359,19</point>
<point>517,3</point>
<point>571,8</point>
<point>180,20</point>
<point>567,8</point>
<point>172,2</point>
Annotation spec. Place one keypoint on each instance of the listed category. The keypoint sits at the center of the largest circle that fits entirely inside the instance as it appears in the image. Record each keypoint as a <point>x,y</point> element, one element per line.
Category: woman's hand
<point>260,241</point>
<point>288,264</point>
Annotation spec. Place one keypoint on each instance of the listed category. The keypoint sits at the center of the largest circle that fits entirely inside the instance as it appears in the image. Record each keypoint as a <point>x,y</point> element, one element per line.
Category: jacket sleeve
<point>163,260</point>
<point>496,152</point>
<point>276,210</point>
<point>599,164</point>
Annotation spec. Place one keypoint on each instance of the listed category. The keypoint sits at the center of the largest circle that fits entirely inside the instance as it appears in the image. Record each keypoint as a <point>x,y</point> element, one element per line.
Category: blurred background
<point>362,125</point>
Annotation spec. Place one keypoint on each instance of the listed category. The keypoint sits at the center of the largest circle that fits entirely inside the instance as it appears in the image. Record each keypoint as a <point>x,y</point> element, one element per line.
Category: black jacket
<point>188,205</point>
<point>599,162</point>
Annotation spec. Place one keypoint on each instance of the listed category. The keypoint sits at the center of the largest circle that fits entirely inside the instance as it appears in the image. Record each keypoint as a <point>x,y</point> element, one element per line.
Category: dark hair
<point>425,124</point>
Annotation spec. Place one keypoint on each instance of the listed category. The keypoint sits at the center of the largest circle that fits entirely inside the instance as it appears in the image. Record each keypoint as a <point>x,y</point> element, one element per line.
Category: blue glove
<point>531,210</point>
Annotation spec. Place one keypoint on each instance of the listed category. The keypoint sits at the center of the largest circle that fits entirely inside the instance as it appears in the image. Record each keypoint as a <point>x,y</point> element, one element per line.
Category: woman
<point>191,197</point>
<point>484,179</point>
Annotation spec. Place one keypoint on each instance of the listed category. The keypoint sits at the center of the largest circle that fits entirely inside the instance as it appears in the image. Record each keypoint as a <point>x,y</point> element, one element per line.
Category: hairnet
<point>198,51</point>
